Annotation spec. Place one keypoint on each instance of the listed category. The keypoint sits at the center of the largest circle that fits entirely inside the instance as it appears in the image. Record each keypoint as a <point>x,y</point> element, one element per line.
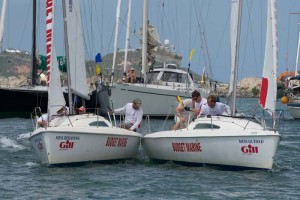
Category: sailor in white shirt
<point>43,119</point>
<point>189,109</point>
<point>133,114</point>
<point>214,108</point>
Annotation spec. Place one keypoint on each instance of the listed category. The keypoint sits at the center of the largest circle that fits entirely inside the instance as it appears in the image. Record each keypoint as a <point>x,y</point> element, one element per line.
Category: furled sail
<point>158,52</point>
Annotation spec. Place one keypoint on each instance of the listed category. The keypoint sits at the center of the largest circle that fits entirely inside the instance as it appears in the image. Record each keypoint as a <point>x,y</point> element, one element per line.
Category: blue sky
<point>180,21</point>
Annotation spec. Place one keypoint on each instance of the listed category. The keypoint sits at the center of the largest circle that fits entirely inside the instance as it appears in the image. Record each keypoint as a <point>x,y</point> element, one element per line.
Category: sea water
<point>23,177</point>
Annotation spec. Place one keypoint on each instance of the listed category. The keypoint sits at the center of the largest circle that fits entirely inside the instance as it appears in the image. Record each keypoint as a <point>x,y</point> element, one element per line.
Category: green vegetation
<point>255,91</point>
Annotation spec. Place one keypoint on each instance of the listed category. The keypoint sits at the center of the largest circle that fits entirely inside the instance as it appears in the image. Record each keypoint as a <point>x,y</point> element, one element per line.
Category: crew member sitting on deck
<point>131,77</point>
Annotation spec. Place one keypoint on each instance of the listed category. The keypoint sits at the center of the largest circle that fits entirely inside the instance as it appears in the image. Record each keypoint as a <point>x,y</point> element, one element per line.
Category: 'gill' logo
<point>66,145</point>
<point>249,149</point>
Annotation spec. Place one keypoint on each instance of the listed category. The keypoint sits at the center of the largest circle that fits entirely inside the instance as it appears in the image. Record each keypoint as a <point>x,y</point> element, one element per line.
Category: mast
<point>127,35</point>
<point>34,63</point>
<point>144,40</point>
<point>2,20</point>
<point>71,110</point>
<point>116,40</point>
<point>297,56</point>
<point>235,43</point>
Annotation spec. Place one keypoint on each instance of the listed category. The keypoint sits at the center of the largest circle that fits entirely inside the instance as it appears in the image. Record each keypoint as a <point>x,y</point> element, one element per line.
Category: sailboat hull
<point>157,100</point>
<point>20,102</point>
<point>59,145</point>
<point>228,145</point>
<point>294,109</point>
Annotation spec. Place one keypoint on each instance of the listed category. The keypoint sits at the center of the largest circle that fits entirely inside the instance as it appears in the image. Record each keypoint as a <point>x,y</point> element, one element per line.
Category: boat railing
<point>116,121</point>
<point>147,123</point>
<point>35,114</point>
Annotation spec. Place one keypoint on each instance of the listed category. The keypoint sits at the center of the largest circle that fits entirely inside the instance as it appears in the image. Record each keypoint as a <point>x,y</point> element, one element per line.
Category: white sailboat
<point>228,140</point>
<point>76,138</point>
<point>161,83</point>
<point>293,89</point>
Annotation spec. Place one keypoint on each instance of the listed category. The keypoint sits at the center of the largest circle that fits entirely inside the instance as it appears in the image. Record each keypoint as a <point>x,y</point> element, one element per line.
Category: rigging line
<point>131,30</point>
<point>221,40</point>
<point>209,4</point>
<point>87,40</point>
<point>287,45</point>
<point>168,23</point>
<point>25,25</point>
<point>204,42</point>
<point>174,23</point>
<point>99,26</point>
<point>249,31</point>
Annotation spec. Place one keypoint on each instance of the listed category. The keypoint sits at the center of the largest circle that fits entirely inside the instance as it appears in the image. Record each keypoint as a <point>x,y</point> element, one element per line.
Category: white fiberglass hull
<point>62,145</point>
<point>230,147</point>
<point>294,109</point>
<point>157,100</point>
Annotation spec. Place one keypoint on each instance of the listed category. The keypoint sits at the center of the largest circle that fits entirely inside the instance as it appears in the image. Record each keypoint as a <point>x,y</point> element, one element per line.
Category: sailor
<point>81,110</point>
<point>43,119</point>
<point>131,76</point>
<point>133,114</point>
<point>188,110</point>
<point>214,108</point>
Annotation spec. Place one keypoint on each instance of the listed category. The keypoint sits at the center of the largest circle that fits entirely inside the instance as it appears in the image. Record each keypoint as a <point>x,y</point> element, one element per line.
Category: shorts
<point>127,126</point>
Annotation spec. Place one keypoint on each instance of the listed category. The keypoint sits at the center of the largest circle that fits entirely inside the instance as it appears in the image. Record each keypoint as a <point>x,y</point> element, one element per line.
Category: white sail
<point>268,90</point>
<point>75,51</point>
<point>236,15</point>
<point>55,95</point>
<point>2,19</point>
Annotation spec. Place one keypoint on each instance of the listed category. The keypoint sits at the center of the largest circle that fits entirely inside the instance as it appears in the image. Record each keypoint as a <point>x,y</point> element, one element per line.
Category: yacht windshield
<point>153,76</point>
<point>174,77</point>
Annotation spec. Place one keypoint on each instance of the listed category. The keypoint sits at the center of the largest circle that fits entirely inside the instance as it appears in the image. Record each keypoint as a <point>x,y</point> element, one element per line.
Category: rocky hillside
<point>247,87</point>
<point>15,69</point>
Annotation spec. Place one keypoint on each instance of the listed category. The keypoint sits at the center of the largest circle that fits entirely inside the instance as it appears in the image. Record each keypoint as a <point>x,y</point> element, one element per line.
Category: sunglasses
<point>195,98</point>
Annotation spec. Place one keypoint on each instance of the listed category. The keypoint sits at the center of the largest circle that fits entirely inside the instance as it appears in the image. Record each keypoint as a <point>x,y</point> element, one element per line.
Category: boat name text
<point>67,138</point>
<point>186,147</point>
<point>116,142</point>
<point>251,141</point>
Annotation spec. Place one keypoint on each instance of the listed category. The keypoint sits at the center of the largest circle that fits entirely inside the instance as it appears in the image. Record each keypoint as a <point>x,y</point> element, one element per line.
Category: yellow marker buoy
<point>284,100</point>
